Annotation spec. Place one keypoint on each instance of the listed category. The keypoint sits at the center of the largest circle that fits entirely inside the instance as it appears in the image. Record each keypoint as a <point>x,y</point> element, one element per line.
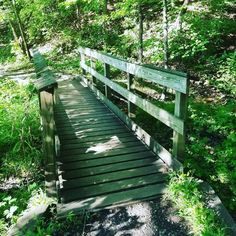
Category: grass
<point>184,191</point>
<point>20,144</point>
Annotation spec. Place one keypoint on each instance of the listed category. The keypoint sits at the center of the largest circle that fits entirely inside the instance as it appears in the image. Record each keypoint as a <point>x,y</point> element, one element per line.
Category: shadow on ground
<point>148,218</point>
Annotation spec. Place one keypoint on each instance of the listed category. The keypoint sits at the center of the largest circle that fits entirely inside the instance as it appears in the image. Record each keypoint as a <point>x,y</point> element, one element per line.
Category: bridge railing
<point>46,86</point>
<point>176,81</point>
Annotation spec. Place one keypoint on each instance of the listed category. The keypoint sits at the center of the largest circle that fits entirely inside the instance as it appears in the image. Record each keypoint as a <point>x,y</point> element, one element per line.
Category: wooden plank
<point>105,160</point>
<point>168,79</point>
<point>165,155</point>
<point>167,118</point>
<point>101,137</point>
<point>113,199</point>
<point>92,136</point>
<point>106,188</point>
<point>63,118</point>
<point>100,148</point>
<point>109,153</point>
<point>79,128</point>
<point>46,77</point>
<point>88,131</point>
<point>115,167</point>
<point>111,139</point>
<point>79,111</point>
<point>109,177</point>
<point>91,121</point>
<point>79,106</point>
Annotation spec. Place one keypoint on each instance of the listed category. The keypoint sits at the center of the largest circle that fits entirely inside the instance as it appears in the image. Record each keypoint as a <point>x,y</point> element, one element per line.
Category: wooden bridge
<point>96,156</point>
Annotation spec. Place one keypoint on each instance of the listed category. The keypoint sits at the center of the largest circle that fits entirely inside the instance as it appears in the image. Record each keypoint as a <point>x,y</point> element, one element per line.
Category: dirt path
<point>148,218</point>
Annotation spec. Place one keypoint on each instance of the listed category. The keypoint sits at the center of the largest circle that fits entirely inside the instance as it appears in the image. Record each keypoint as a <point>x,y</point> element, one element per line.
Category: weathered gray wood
<point>179,138</point>
<point>93,65</point>
<point>46,101</point>
<point>120,153</point>
<point>131,107</point>
<point>108,177</point>
<point>105,160</point>
<point>113,199</point>
<point>82,58</point>
<point>109,153</point>
<point>166,156</point>
<point>106,188</point>
<point>161,167</point>
<point>159,113</point>
<point>96,149</point>
<point>174,81</point>
<point>46,77</point>
<point>101,137</point>
<point>107,75</point>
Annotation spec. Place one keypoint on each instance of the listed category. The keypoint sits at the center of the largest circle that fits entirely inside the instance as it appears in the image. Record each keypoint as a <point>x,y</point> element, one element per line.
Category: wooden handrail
<point>174,80</point>
<point>177,81</point>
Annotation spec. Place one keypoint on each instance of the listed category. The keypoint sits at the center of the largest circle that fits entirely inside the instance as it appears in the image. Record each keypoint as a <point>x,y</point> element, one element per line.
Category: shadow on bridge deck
<point>101,163</point>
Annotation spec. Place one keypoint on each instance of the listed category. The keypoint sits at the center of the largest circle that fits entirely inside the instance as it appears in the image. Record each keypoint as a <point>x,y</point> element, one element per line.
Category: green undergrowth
<point>20,145</point>
<point>184,191</point>
<point>211,146</point>
<point>69,63</point>
<point>53,226</point>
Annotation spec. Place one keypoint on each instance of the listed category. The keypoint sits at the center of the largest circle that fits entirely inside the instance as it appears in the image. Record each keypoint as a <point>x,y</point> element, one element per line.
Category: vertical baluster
<point>131,106</point>
<point>107,75</point>
<point>93,66</point>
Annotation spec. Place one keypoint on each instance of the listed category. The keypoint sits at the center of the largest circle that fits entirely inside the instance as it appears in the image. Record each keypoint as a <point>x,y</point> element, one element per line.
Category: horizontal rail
<point>164,116</point>
<point>173,80</point>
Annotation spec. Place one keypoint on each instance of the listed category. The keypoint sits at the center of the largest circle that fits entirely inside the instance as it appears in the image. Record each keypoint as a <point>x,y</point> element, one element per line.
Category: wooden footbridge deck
<point>96,156</point>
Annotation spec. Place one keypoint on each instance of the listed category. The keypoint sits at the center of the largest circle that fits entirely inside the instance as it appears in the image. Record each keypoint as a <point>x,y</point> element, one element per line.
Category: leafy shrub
<point>185,192</point>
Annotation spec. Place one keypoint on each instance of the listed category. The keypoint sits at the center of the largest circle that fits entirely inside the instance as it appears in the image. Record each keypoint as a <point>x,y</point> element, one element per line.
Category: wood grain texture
<point>176,81</point>
<point>99,156</point>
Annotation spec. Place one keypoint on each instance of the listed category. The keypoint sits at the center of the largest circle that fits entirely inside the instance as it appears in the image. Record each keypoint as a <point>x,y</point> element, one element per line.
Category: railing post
<point>48,123</point>
<point>131,107</point>
<point>82,58</point>
<point>107,75</point>
<point>93,66</point>
<point>180,112</point>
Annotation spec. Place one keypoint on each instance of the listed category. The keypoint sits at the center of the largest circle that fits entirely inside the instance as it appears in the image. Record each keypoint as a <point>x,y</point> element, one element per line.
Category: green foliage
<point>71,224</point>
<point>20,149</point>
<point>19,130</point>
<point>211,146</point>
<point>13,203</point>
<point>185,192</point>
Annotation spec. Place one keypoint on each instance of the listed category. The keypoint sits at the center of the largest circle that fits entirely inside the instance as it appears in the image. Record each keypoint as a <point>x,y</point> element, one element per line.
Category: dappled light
<point>103,147</point>
<point>109,103</point>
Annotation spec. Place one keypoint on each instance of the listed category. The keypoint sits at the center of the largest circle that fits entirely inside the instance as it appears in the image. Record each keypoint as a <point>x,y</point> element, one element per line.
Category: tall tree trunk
<point>13,31</point>
<point>165,33</point>
<point>19,23</point>
<point>165,43</point>
<point>140,13</point>
<point>178,21</point>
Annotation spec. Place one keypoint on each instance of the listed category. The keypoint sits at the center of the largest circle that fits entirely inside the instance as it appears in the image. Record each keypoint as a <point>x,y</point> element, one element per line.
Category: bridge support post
<point>179,139</point>
<point>48,124</point>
